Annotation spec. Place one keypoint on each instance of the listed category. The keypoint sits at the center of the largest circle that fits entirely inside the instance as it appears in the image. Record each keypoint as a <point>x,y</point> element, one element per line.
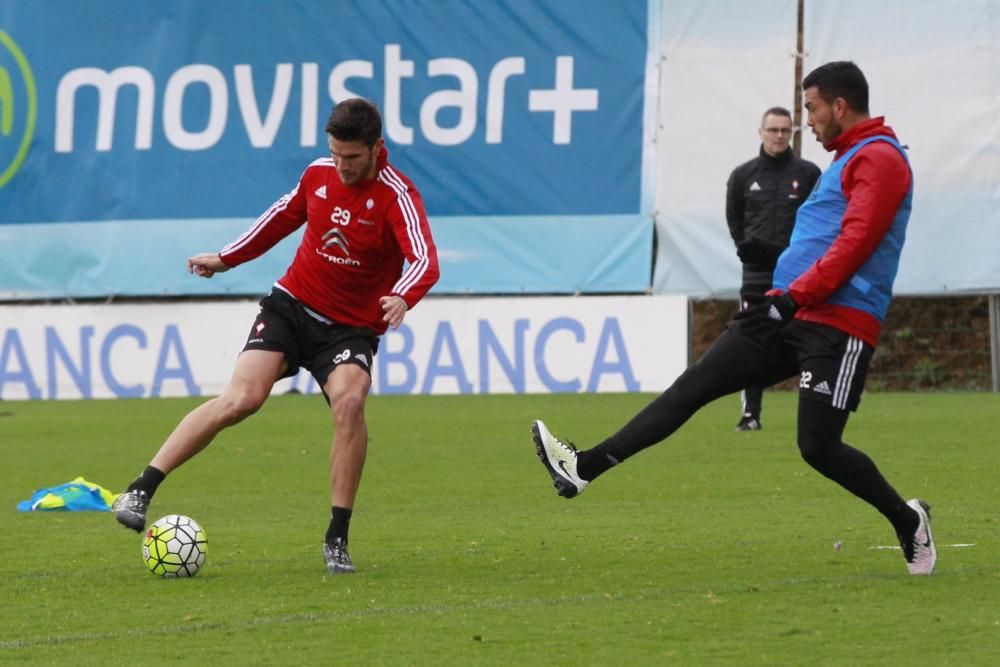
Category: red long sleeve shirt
<point>354,245</point>
<point>875,182</point>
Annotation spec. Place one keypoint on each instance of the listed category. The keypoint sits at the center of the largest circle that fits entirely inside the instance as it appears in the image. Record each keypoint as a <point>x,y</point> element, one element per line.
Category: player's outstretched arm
<point>206,265</point>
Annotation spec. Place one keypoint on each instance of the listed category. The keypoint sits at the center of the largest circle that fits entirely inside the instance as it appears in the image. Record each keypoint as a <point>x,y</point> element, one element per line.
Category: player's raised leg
<point>255,374</point>
<point>734,361</point>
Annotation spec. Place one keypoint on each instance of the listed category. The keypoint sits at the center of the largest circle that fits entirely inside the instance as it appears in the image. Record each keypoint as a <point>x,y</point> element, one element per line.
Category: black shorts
<point>832,365</point>
<point>284,325</point>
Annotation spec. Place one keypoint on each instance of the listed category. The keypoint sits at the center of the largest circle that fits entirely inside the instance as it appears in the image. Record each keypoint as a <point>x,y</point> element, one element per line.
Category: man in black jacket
<point>762,197</point>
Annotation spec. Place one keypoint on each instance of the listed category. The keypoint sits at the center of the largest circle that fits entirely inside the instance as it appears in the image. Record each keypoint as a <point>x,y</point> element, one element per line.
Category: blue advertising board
<point>135,134</point>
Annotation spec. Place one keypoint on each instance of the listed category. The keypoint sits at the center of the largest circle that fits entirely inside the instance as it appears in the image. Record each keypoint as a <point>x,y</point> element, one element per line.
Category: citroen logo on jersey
<point>335,237</point>
<point>18,108</point>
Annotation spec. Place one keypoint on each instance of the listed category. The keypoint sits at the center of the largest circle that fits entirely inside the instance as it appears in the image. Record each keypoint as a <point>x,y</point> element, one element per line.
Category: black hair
<point>842,79</point>
<point>355,119</point>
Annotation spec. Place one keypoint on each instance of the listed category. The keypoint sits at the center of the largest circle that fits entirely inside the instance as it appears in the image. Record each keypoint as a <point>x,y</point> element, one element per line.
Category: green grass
<point>712,548</point>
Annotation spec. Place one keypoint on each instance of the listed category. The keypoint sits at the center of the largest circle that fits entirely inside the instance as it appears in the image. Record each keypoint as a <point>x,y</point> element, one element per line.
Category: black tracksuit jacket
<point>762,196</point>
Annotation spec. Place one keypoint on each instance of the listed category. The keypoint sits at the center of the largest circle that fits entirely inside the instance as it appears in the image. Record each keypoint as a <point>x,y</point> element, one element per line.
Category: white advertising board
<point>445,346</point>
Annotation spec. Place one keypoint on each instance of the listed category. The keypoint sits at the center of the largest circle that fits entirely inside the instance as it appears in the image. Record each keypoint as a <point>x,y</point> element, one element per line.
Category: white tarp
<point>934,71</point>
<point>724,63</point>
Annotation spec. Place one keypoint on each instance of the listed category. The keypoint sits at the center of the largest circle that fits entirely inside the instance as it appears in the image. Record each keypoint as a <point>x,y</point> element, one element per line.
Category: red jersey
<point>356,239</point>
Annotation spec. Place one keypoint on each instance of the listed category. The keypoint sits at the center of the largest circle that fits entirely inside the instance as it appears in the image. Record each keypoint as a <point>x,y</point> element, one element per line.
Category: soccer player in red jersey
<point>366,258</point>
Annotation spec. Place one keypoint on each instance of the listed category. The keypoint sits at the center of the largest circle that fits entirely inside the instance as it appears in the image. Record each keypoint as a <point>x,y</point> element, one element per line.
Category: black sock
<point>340,523</point>
<point>594,462</point>
<point>148,481</point>
<point>904,519</point>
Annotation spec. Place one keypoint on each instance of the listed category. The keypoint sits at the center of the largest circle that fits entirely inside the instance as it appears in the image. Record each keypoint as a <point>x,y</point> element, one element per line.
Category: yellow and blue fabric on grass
<point>76,496</point>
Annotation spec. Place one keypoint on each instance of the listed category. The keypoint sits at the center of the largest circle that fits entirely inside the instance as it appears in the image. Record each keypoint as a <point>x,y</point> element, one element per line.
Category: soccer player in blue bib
<point>821,319</point>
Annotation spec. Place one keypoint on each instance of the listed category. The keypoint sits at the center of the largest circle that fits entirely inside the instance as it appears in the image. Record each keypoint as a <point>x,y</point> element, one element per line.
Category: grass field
<point>713,548</point>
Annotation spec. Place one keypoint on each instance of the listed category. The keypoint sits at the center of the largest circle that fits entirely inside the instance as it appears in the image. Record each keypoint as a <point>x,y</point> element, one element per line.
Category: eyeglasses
<point>778,130</point>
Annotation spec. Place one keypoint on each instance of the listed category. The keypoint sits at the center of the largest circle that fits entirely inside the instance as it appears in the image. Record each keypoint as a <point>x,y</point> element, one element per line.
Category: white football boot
<point>919,551</point>
<point>559,459</point>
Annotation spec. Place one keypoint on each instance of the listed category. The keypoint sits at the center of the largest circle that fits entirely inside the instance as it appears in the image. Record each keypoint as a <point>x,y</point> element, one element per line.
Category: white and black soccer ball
<point>174,546</point>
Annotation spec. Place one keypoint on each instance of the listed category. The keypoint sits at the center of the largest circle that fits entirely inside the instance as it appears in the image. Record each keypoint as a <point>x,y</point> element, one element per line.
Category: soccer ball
<point>174,546</point>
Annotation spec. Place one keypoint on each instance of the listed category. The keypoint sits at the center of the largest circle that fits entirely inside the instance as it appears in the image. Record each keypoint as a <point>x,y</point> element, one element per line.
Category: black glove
<point>765,315</point>
<point>755,251</point>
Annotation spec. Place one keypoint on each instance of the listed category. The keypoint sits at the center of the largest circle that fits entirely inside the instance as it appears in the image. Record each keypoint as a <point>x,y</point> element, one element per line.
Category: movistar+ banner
<point>194,111</point>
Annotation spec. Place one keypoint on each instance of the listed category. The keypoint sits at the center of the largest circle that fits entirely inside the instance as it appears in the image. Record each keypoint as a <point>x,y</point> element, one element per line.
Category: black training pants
<point>735,361</point>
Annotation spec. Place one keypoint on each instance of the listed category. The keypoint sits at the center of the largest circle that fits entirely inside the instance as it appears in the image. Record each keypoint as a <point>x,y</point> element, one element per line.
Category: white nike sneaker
<point>559,459</point>
<point>919,551</point>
